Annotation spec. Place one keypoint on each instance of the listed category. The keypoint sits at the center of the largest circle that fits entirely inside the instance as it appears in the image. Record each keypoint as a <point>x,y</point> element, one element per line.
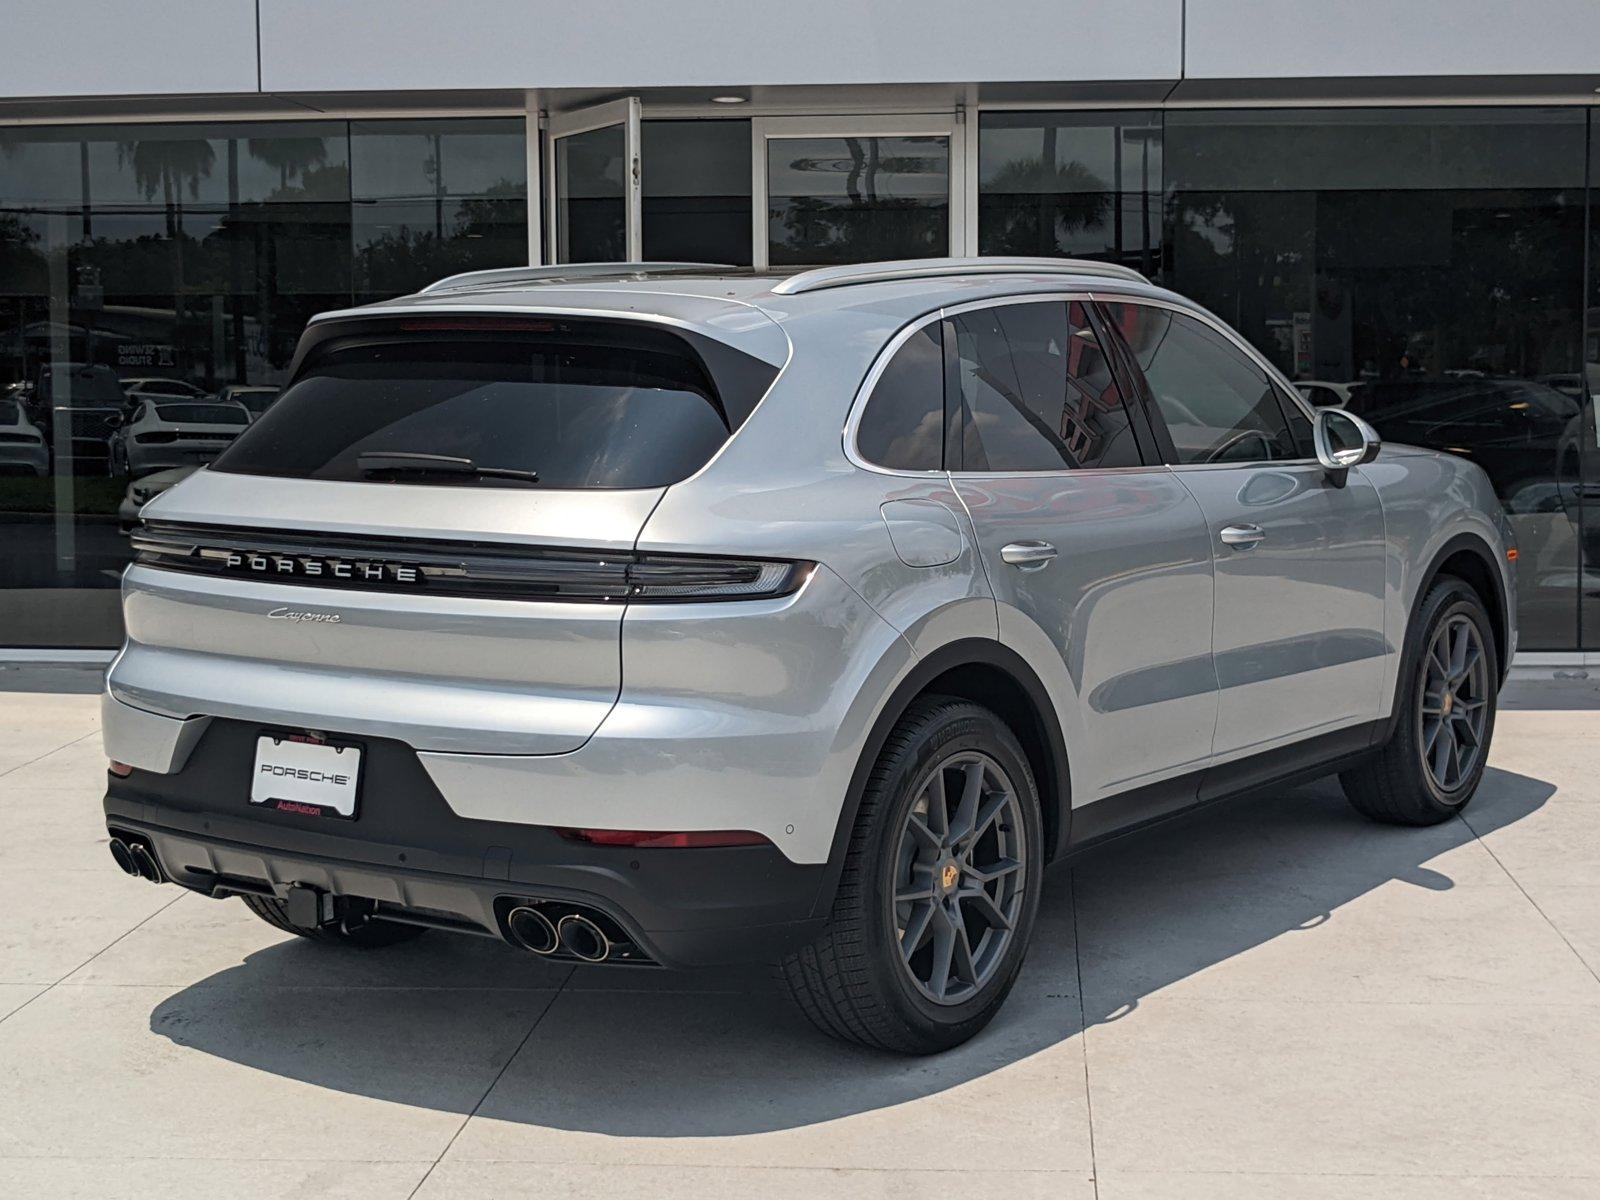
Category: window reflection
<point>1086,185</point>
<point>1422,267</point>
<point>154,280</point>
<point>857,199</point>
<point>696,203</point>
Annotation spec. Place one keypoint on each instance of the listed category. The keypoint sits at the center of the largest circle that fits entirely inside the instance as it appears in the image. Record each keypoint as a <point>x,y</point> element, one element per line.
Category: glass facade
<point>1432,269</point>
<point>1424,267</point>
<point>182,261</point>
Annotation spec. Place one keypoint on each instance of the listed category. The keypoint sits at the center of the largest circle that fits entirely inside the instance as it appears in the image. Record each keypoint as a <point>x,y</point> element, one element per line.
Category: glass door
<point>857,189</point>
<point>593,169</point>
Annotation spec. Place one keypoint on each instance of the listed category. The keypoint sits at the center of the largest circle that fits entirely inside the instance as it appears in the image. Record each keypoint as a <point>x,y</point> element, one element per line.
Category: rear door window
<point>1037,393</point>
<point>567,405</point>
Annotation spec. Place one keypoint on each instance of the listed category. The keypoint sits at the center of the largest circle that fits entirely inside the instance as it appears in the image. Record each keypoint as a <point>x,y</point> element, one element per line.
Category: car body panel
<point>1299,642</point>
<point>1125,607</point>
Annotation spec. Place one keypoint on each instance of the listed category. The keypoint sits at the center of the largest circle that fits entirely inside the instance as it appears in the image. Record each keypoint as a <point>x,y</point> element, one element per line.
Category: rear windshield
<point>563,405</point>
<point>202,414</point>
<point>88,385</point>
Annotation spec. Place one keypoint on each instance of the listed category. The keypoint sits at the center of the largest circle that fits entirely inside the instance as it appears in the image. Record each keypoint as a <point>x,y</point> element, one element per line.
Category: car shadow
<point>650,1054</point>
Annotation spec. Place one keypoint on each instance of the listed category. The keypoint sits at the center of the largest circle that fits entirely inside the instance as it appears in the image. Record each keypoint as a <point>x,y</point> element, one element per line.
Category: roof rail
<point>566,272</point>
<point>938,268</point>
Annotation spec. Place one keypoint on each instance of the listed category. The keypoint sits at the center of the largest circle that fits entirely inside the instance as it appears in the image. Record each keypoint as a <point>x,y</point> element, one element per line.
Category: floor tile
<point>1379,1089</point>
<point>251,1073</point>
<point>617,1078</point>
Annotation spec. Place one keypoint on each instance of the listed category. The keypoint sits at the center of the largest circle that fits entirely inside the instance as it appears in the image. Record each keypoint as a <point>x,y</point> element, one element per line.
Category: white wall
<point>314,45</point>
<point>177,47</point>
<point>124,47</point>
<point>1250,39</point>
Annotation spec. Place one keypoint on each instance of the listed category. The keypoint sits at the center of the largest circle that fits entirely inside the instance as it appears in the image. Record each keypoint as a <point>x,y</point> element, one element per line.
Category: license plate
<point>310,778</point>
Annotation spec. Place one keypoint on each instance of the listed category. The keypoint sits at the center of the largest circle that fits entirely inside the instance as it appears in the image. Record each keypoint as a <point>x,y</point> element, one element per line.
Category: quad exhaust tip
<point>124,856</point>
<point>135,859</point>
<point>582,938</point>
<point>532,930</point>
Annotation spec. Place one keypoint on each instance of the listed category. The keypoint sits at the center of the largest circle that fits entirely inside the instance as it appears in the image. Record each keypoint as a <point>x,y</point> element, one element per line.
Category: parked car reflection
<point>1512,428</point>
<point>141,491</point>
<point>164,434</point>
<point>78,405</point>
<point>22,445</point>
<point>256,398</point>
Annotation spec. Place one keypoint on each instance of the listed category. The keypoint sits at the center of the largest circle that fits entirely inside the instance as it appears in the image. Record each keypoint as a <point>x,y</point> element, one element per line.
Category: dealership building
<point>1394,200</point>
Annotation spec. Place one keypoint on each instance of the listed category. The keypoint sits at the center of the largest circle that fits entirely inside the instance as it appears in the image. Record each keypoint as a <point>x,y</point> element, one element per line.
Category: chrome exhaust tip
<point>532,930</point>
<point>124,856</point>
<point>145,864</point>
<point>582,938</point>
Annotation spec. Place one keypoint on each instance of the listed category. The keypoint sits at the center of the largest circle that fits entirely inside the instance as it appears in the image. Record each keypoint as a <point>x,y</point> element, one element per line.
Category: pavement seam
<point>498,1075</point>
<point>1462,817</point>
<point>132,929</point>
<point>1083,1031</point>
<point>64,746</point>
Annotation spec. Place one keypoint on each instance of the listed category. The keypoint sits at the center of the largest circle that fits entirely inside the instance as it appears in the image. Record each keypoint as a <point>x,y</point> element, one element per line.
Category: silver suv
<point>662,615</point>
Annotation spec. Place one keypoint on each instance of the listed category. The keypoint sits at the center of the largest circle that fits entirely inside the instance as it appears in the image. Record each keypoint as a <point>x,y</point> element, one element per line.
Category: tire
<point>853,982</point>
<point>368,936</point>
<point>1402,783</point>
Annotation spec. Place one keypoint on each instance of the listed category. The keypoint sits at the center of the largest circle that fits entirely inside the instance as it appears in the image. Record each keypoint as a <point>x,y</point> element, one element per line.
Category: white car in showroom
<point>161,434</point>
<point>22,445</point>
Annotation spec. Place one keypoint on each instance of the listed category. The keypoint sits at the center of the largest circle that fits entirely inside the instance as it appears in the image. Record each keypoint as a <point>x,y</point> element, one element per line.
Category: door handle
<point>1243,536</point>
<point>1030,556</point>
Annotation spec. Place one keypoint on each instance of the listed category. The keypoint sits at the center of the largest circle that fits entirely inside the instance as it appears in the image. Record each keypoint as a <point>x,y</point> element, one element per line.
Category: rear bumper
<point>408,849</point>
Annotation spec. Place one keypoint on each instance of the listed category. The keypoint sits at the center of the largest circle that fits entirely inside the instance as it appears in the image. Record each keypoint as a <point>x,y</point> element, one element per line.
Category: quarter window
<point>1217,404</point>
<point>1037,393</point>
<point>903,425</point>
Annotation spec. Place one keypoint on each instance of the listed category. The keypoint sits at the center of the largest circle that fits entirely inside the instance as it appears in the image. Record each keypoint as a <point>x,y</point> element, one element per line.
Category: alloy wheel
<point>1453,704</point>
<point>959,877</point>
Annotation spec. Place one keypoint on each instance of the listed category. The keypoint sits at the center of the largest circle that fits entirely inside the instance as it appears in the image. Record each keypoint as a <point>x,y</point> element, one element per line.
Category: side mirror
<point>1343,440</point>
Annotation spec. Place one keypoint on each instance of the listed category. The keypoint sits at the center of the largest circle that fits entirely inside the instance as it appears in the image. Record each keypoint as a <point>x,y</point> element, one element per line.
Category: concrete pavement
<point>1271,998</point>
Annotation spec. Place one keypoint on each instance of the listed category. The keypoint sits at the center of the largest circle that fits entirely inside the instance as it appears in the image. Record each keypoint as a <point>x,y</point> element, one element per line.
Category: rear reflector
<point>695,839</point>
<point>120,769</point>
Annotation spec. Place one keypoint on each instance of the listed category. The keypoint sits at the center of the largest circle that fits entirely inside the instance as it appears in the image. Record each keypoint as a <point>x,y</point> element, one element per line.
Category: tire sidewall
<point>965,727</point>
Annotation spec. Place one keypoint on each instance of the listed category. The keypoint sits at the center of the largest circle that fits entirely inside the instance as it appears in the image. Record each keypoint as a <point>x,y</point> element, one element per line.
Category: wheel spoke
<point>938,807</point>
<point>944,949</point>
<point>965,820</point>
<point>989,872</point>
<point>996,804</point>
<point>961,947</point>
<point>924,837</point>
<point>1460,643</point>
<point>916,930</point>
<point>1443,749</point>
<point>979,901</point>
<point>921,886</point>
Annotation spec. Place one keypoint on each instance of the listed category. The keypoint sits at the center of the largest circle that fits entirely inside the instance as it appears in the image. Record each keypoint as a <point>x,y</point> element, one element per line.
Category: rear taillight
<point>417,567</point>
<point>692,839</point>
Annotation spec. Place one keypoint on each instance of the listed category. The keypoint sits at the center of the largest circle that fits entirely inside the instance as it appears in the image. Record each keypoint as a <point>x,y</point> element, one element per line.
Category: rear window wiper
<point>400,462</point>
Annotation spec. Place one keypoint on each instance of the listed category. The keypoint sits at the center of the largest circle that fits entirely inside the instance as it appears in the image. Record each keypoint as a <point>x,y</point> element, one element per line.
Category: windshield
<point>579,404</point>
<point>202,414</point>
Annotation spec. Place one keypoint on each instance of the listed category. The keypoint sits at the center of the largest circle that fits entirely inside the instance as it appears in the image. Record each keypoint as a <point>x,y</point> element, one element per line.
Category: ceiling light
<point>729,99</point>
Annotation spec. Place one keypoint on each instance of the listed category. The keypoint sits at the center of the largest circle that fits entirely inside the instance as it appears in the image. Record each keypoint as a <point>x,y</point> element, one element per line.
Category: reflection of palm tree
<point>165,165</point>
<point>289,155</point>
<point>1068,198</point>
